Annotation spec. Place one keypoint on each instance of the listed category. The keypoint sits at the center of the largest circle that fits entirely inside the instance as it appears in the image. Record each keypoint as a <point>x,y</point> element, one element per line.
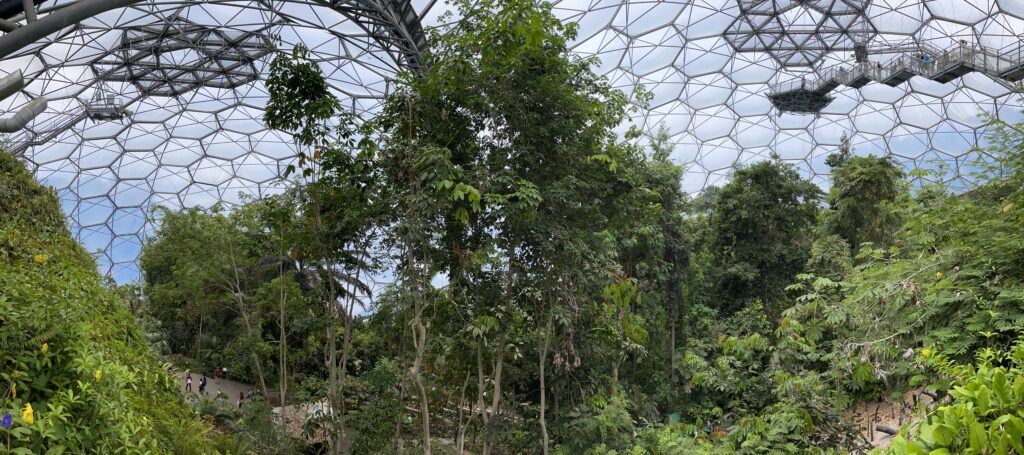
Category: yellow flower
<point>926,352</point>
<point>45,348</point>
<point>26,414</point>
<point>938,275</point>
<point>99,375</point>
<point>40,258</point>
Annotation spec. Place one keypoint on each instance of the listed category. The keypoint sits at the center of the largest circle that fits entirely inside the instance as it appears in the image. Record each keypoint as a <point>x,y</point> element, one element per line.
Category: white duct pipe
<point>11,83</point>
<point>24,115</point>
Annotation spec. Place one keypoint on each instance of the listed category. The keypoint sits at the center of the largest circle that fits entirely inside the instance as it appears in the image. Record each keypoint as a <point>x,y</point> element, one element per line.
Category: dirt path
<point>214,386</point>
<point>869,415</point>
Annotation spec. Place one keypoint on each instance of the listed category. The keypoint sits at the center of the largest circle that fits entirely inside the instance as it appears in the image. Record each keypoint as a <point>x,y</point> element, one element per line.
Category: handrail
<point>39,134</point>
<point>928,61</point>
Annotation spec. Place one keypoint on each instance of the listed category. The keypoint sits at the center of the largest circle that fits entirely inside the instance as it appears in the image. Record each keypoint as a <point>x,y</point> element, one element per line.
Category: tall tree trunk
<point>420,340</point>
<point>541,363</point>
<point>346,342</point>
<point>255,357</point>
<point>460,433</point>
<point>199,340</point>
<point>238,290</point>
<point>493,410</point>
<point>480,388</point>
<point>332,370</point>
<point>283,340</point>
<point>338,440</point>
<point>399,442</point>
<point>419,329</point>
<point>672,348</point>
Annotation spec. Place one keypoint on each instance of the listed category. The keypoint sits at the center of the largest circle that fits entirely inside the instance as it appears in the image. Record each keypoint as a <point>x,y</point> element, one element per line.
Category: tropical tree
<point>762,225</point>
<point>302,104</point>
<point>862,201</point>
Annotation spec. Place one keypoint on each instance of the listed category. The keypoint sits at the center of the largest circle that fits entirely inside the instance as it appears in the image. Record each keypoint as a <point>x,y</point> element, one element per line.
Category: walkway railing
<point>42,133</point>
<point>928,61</point>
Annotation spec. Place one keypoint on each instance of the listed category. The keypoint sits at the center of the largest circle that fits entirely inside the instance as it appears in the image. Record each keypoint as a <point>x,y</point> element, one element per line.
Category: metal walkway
<point>811,94</point>
<point>41,134</point>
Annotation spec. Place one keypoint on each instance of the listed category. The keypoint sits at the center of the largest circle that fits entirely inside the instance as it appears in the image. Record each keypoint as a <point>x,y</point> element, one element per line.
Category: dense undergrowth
<point>76,376</point>
<point>554,289</point>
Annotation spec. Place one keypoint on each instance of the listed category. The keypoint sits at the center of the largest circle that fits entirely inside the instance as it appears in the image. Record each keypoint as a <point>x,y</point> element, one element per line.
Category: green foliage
<point>556,288</point>
<point>830,258</point>
<point>379,409</point>
<point>260,431</point>
<point>842,155</point>
<point>761,227</point>
<point>204,279</point>
<point>861,201</point>
<point>984,416</point>
<point>601,426</point>
<point>69,348</point>
<point>300,102</point>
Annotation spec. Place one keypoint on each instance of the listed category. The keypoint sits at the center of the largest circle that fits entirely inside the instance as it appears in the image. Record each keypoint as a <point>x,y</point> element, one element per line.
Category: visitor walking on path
<point>216,375</point>
<point>188,381</point>
<point>202,385</point>
<point>241,398</point>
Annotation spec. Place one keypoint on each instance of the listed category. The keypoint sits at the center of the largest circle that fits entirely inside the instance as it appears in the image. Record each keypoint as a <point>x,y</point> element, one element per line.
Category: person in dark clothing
<point>202,385</point>
<point>241,398</point>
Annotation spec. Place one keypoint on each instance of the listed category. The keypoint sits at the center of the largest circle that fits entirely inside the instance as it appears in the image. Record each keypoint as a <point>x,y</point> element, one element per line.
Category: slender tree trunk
<point>346,342</point>
<point>419,329</point>
<point>399,442</point>
<point>283,339</point>
<point>541,363</point>
<point>243,310</point>
<point>498,365</point>
<point>480,388</point>
<point>338,440</point>
<point>199,340</point>
<point>672,348</point>
<point>332,370</point>
<point>255,357</point>
<point>420,340</point>
<point>460,434</point>
<point>499,362</point>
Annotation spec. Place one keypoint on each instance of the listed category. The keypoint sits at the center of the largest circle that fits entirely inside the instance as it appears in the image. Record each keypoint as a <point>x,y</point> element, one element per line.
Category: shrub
<point>76,374</point>
<point>985,413</point>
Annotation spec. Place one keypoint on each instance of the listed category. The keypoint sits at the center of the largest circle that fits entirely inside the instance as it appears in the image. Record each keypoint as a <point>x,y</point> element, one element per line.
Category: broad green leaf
<point>943,435</point>
<point>978,438</point>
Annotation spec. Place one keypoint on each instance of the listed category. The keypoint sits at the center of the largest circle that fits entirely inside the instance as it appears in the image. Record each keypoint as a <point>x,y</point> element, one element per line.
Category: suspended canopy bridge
<point>812,94</point>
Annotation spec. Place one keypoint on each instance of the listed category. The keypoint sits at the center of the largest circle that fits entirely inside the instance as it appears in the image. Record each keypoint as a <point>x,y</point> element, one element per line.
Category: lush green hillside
<point>75,372</point>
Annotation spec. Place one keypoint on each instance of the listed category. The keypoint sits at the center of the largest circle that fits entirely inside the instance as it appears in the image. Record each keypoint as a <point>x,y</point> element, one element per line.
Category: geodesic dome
<point>160,101</point>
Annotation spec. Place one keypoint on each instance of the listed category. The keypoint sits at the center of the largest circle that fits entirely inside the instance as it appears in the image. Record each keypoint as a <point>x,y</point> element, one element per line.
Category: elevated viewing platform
<point>810,94</point>
<point>102,108</point>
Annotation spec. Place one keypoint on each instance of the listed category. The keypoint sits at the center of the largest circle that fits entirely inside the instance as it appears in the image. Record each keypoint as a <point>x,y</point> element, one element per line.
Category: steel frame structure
<point>709,66</point>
